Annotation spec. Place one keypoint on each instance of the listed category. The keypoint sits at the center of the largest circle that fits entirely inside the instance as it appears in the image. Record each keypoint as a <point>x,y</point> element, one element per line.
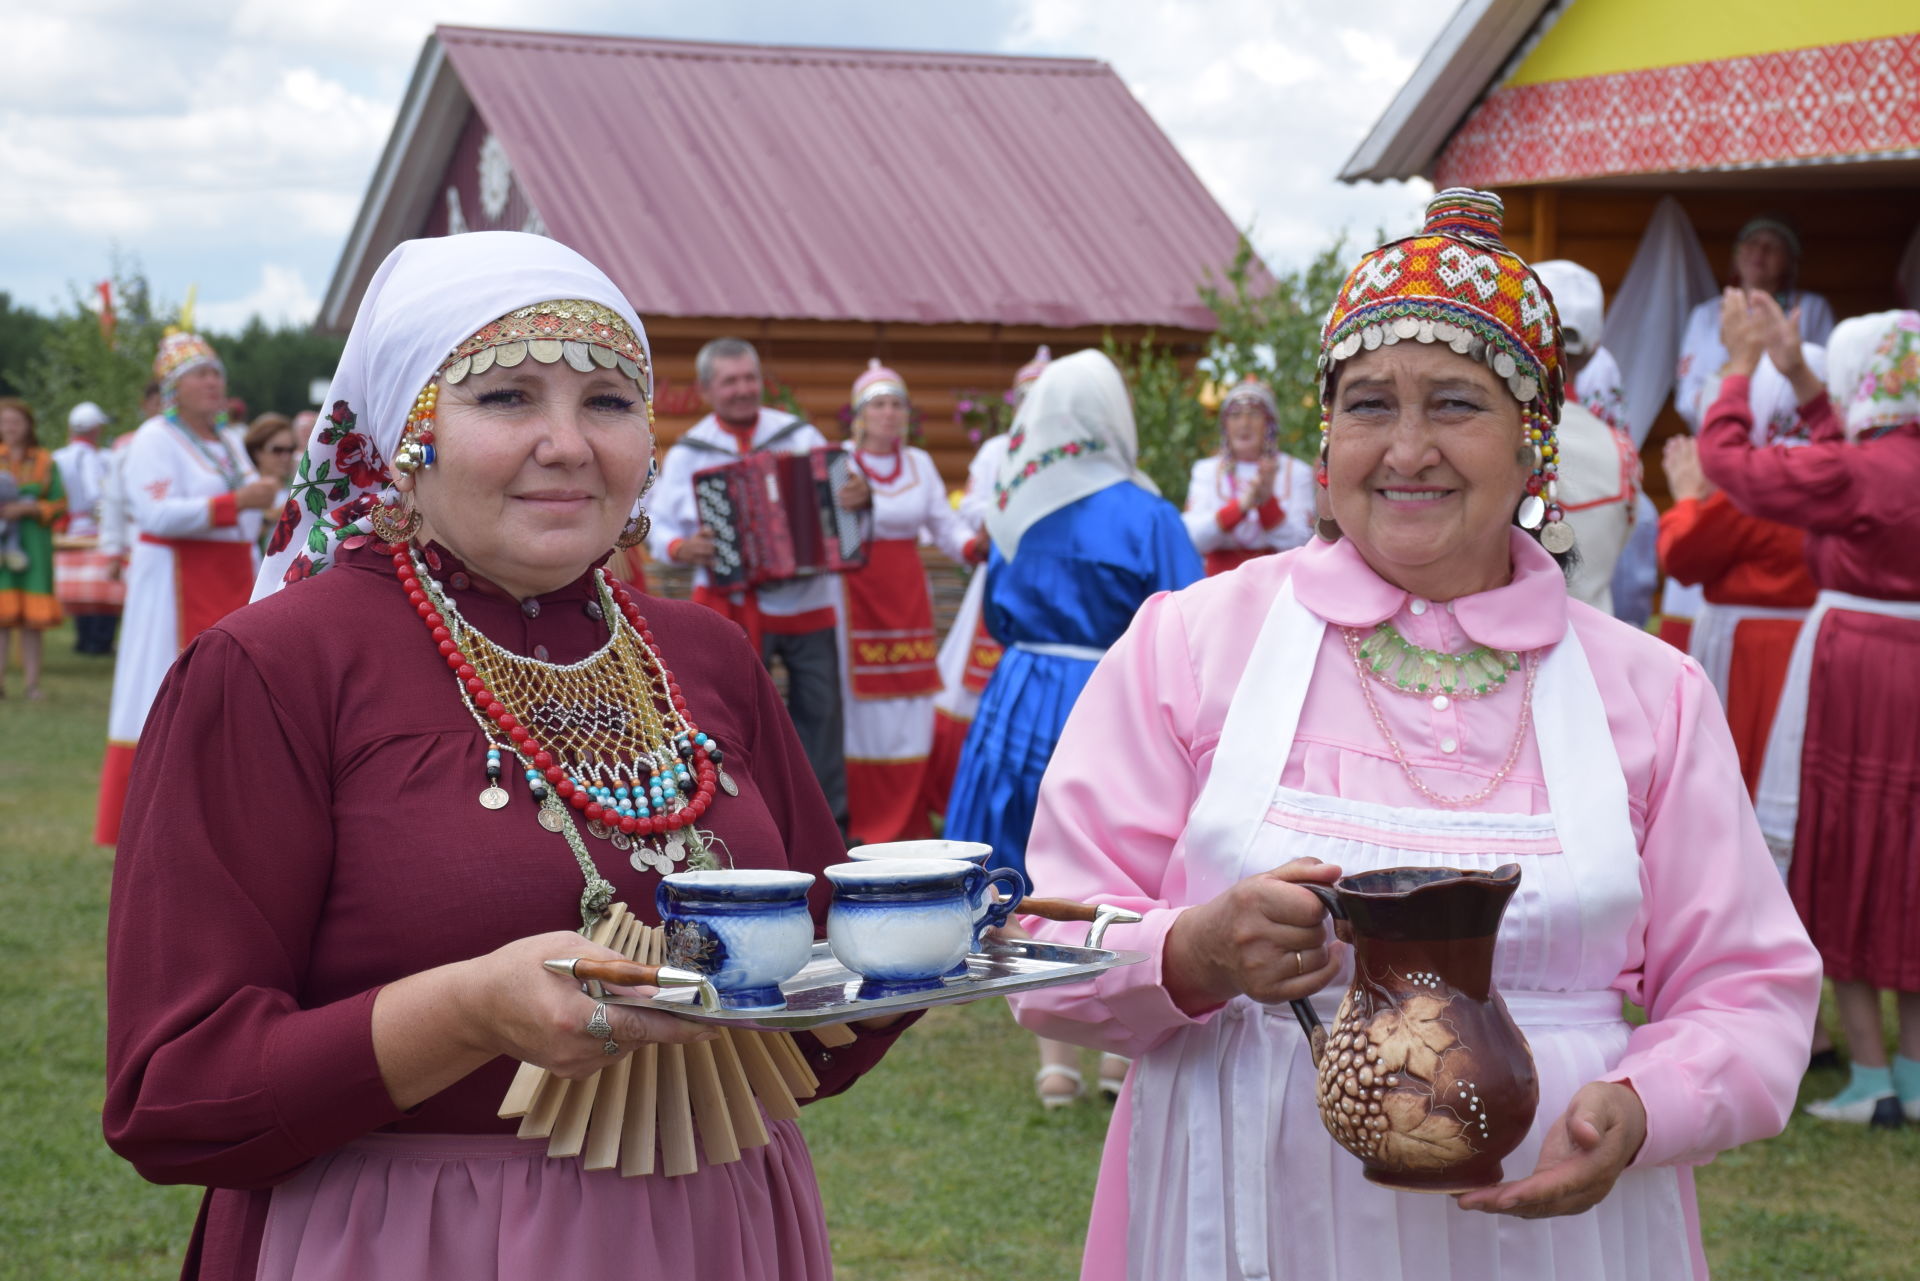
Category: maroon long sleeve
<point>1854,499</point>
<point>303,828</point>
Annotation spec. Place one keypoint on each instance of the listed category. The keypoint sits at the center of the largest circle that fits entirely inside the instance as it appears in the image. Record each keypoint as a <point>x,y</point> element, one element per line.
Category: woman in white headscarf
<point>1081,537</point>
<point>380,800</point>
<point>1840,787</point>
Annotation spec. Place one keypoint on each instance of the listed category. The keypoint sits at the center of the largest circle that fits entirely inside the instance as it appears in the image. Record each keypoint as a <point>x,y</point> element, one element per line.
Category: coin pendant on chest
<point>676,847</point>
<point>494,797</point>
<point>621,841</point>
<point>553,820</point>
<point>727,784</point>
<point>642,859</point>
<point>599,830</point>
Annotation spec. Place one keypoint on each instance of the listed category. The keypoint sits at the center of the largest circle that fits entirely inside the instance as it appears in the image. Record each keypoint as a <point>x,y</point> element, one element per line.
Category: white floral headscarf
<point>1074,436</point>
<point>424,301</point>
<point>1873,372</point>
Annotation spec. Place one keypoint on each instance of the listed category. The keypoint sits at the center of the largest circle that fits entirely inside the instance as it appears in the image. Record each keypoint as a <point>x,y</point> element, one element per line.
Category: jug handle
<point>1303,1010</point>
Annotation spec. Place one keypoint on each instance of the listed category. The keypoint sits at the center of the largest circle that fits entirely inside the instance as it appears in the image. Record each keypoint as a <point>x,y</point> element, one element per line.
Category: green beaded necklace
<point>1398,663</point>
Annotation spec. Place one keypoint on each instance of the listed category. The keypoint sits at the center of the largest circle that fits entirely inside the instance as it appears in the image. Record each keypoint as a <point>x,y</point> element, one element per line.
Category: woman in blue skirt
<point>1081,537</point>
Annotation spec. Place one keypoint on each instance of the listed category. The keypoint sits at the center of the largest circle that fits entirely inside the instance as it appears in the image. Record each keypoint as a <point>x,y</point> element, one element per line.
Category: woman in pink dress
<point>1252,732</point>
<point>1840,786</point>
<point>380,798</point>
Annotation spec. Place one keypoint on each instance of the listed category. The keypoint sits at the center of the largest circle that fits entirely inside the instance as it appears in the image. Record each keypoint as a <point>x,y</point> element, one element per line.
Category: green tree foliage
<point>22,333</point>
<point>273,368</point>
<point>1272,332</point>
<point>55,362</point>
<point>72,360</point>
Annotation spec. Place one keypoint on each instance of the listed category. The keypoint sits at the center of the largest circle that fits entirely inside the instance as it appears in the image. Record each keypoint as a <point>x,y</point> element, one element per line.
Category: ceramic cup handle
<point>1008,880</point>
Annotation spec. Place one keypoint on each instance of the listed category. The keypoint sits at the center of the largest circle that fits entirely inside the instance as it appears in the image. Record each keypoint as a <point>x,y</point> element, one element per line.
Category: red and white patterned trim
<point>1854,101</point>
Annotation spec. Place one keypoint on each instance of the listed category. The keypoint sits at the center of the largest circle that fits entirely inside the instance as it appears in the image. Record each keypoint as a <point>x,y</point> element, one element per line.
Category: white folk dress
<point>889,739</point>
<point>192,563</point>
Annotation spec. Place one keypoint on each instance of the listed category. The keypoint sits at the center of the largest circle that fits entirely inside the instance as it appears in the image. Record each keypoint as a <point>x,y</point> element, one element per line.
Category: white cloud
<point>1265,99</point>
<point>229,142</point>
<point>281,298</point>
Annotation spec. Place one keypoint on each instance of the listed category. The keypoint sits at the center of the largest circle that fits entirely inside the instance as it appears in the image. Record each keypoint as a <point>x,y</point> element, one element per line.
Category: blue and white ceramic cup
<point>974,852</point>
<point>904,923</point>
<point>747,929</point>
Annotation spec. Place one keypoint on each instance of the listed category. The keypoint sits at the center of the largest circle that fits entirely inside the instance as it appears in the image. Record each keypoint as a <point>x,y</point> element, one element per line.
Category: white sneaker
<point>1855,1111</point>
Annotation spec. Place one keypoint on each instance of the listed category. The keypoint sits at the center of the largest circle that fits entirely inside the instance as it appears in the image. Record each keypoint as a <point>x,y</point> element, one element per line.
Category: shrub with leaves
<point>1270,329</point>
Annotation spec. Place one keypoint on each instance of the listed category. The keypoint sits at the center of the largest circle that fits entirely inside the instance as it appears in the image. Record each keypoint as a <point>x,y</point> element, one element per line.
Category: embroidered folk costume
<point>969,653</point>
<point>82,572</point>
<point>1698,382</point>
<point>1838,788</point>
<point>1234,728</point>
<point>400,817</point>
<point>795,620</point>
<point>191,564</point>
<point>888,646</point>
<point>26,547</point>
<point>1225,529</point>
<point>1080,538</point>
<point>1599,466</point>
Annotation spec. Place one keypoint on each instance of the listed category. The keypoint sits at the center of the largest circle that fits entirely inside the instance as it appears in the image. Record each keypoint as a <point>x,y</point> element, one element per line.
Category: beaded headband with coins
<point>180,353</point>
<point>1456,283</point>
<point>584,335</point>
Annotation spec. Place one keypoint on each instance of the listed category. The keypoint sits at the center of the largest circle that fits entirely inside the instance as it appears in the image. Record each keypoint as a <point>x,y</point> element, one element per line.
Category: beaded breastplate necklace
<point>607,737</point>
<point>1398,663</point>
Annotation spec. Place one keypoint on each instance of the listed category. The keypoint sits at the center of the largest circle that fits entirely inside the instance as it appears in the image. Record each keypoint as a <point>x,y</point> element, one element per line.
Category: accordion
<point>777,516</point>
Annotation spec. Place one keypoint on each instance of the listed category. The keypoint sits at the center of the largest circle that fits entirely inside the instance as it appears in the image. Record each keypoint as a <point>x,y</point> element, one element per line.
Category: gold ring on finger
<point>1300,964</point>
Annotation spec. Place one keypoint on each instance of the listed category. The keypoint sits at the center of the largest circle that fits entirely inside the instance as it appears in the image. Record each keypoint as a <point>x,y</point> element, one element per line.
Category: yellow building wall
<point>1603,37</point>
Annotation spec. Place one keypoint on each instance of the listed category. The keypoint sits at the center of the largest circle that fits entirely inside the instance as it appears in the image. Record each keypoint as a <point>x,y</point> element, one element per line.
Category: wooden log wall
<point>818,361</point>
<point>1853,238</point>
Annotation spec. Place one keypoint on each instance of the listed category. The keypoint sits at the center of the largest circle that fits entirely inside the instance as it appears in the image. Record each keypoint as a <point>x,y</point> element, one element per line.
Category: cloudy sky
<point>226,144</point>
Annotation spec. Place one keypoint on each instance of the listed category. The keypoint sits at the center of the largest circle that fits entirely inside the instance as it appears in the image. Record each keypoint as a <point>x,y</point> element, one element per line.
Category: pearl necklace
<point>1532,665</point>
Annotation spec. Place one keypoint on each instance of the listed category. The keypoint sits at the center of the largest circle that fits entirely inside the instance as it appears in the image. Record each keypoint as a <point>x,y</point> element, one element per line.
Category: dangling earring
<point>395,524</point>
<point>635,532</point>
<point>1540,510</point>
<point>416,452</point>
<point>1326,527</point>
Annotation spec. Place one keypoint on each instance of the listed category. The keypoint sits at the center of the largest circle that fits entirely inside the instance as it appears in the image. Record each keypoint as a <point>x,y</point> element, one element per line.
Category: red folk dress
<point>1741,561</point>
<point>1856,867</point>
<point>306,830</point>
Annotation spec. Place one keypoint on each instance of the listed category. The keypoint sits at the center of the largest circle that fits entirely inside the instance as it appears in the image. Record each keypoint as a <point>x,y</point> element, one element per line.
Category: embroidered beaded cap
<point>877,380</point>
<point>584,334</point>
<point>1251,389</point>
<point>1042,357</point>
<point>180,352</point>
<point>1456,283</point>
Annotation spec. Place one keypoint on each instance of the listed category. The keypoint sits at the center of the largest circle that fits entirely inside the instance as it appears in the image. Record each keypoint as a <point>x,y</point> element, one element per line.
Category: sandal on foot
<point>1113,1074</point>
<point>1070,1074</point>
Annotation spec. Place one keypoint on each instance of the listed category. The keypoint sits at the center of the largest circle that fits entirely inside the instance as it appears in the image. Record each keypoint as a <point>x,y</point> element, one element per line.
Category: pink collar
<point>1530,612</point>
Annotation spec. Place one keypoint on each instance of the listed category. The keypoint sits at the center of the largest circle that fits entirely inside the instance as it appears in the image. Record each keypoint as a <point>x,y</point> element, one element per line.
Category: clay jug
<point>1424,1075</point>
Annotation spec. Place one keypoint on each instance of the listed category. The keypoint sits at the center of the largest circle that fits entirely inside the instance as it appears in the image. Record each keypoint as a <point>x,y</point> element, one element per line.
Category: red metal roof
<point>844,184</point>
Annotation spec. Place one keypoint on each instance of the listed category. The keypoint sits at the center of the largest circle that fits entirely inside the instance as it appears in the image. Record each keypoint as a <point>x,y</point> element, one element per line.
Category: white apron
<point>1711,643</point>
<point>1778,801</point>
<point>1232,1174</point>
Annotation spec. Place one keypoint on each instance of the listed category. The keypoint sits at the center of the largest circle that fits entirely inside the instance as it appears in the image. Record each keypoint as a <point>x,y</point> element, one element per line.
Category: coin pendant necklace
<point>606,740</point>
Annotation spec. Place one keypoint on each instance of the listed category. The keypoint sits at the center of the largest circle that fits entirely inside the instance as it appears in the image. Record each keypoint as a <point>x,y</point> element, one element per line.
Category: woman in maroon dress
<point>1841,782</point>
<point>324,952</point>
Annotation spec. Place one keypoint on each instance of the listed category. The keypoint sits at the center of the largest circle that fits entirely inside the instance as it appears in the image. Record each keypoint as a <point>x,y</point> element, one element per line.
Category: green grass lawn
<point>938,1165</point>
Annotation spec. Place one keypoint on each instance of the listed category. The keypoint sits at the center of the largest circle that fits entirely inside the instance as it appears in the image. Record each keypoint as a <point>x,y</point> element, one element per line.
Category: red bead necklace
<point>607,814</point>
<point>899,462</point>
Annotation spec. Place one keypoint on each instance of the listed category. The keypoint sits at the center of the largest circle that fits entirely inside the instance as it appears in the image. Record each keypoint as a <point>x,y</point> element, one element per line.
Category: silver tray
<point>825,991</point>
